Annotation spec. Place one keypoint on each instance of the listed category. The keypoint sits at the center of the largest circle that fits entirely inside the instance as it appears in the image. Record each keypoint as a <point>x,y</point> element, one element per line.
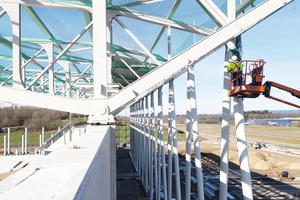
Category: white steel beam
<point>194,54</point>
<point>128,66</point>
<point>161,31</point>
<point>49,4</point>
<point>214,12</point>
<point>59,56</point>
<point>6,68</point>
<point>74,82</point>
<point>165,22</point>
<point>137,41</point>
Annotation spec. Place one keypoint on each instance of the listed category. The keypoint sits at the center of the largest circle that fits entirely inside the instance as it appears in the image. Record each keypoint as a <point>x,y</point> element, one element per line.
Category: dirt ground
<point>260,159</point>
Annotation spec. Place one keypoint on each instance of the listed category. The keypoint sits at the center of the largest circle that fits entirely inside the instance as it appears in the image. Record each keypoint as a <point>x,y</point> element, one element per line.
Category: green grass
<point>33,138</point>
<point>123,134</point>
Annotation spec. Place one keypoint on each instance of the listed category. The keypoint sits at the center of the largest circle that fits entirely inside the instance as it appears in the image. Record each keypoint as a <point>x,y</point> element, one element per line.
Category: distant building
<point>275,122</point>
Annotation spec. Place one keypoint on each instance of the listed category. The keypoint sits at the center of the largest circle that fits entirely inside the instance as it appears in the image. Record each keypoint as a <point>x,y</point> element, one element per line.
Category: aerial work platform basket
<point>250,83</point>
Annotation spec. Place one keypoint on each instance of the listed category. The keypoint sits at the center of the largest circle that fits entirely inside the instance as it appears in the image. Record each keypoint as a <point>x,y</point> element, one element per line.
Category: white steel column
<point>195,129</point>
<point>22,150</point>
<point>4,145</point>
<point>50,52</point>
<point>100,49</point>
<point>170,139</point>
<point>225,129</point>
<point>8,141</point>
<point>152,147</point>
<point>143,142</point>
<point>161,145</point>
<point>14,12</point>
<point>147,157</point>
<point>26,141</point>
<point>242,148</point>
<point>160,133</point>
<point>188,141</point>
<point>174,135</point>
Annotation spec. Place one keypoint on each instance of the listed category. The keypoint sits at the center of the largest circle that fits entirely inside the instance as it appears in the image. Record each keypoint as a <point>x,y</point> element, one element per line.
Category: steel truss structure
<point>95,58</point>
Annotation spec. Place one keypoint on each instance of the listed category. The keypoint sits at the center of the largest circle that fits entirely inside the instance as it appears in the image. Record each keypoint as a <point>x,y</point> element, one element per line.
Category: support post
<point>22,145</point>
<point>160,139</point>
<point>174,135</point>
<point>242,148</point>
<point>152,147</point>
<point>4,145</point>
<point>195,130</point>
<point>188,141</point>
<point>26,141</point>
<point>43,135</point>
<point>225,129</point>
<point>147,157</point>
<point>100,49</point>
<point>170,139</point>
<point>8,141</point>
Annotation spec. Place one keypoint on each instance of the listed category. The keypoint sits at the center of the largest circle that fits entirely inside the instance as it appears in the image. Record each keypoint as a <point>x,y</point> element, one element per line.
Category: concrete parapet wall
<point>81,169</point>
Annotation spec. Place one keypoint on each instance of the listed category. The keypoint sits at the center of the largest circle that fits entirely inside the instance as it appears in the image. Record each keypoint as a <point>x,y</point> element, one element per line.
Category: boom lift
<point>254,70</point>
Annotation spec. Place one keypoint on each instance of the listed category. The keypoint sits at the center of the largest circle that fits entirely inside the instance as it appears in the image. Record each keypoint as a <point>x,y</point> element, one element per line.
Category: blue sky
<point>275,40</point>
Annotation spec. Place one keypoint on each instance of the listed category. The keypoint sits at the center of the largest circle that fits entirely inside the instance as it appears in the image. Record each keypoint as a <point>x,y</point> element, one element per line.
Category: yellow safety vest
<point>234,67</point>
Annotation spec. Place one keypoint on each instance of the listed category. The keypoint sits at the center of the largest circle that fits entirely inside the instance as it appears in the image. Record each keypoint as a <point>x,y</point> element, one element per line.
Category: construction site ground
<point>285,159</point>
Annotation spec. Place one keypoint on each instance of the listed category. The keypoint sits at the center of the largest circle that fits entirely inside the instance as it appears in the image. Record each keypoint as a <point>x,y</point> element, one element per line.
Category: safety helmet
<point>234,58</point>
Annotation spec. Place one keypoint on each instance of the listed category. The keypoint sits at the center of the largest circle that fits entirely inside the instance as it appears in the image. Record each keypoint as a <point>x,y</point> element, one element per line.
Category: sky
<point>276,40</point>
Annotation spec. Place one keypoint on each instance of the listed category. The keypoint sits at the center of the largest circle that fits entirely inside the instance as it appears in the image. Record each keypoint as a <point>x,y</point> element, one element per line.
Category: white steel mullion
<point>242,148</point>
<point>15,17</point>
<point>188,141</point>
<point>214,12</point>
<point>160,139</point>
<point>6,81</point>
<point>128,66</point>
<point>124,79</point>
<point>231,10</point>
<point>169,43</point>
<point>155,162</point>
<point>143,142</point>
<point>175,146</point>
<point>32,58</point>
<point>226,105</point>
<point>195,130</point>
<point>139,137</point>
<point>6,68</point>
<point>147,144</point>
<point>163,28</point>
<point>152,144</point>
<point>170,139</point>
<point>81,75</point>
<point>137,41</point>
<point>59,55</point>
<point>165,22</point>
<point>82,49</point>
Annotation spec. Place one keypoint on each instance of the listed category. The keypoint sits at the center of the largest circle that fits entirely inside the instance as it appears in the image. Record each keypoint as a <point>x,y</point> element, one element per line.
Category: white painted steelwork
<point>242,148</point>
<point>226,105</point>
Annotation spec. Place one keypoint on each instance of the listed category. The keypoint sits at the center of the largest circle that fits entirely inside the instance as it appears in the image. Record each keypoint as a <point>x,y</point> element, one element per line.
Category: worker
<point>236,68</point>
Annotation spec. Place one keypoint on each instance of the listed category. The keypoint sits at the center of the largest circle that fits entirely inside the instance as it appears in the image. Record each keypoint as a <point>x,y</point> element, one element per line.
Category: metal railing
<point>51,140</point>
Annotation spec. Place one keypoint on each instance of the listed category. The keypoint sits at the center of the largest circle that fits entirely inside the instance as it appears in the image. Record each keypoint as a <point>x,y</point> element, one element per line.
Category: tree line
<point>33,119</point>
